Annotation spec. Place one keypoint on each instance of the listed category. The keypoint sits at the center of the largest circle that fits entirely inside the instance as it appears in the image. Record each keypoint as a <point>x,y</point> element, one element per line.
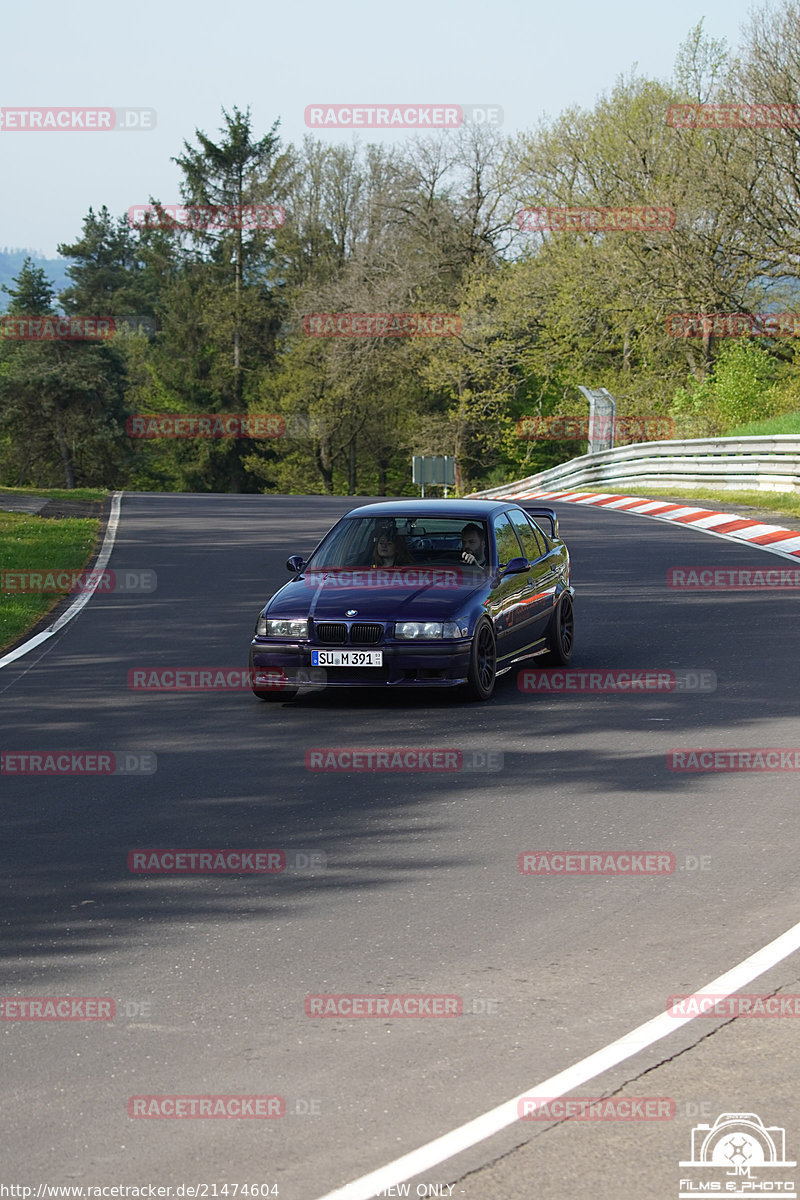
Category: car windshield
<point>400,541</point>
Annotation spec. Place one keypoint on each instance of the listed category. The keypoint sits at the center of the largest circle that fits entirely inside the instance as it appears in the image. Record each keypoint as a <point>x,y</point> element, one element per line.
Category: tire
<point>482,661</point>
<point>561,635</point>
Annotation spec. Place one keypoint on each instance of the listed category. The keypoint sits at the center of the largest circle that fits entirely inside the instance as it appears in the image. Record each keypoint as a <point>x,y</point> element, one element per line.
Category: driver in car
<point>473,546</point>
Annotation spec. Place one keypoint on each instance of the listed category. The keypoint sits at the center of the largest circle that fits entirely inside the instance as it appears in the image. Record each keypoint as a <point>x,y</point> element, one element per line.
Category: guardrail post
<point>602,407</point>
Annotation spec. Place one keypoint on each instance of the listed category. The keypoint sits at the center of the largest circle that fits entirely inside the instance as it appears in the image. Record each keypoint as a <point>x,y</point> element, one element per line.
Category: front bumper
<point>435,664</point>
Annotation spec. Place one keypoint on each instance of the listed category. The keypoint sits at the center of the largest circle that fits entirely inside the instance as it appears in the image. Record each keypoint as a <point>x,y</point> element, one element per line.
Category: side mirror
<point>516,566</point>
<point>295,563</point>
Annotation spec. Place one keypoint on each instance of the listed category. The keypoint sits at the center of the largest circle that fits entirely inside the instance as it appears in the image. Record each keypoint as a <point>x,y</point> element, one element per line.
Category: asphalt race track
<point>416,887</point>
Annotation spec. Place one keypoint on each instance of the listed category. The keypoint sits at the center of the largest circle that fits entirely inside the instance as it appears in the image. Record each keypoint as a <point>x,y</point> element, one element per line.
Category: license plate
<point>347,658</point>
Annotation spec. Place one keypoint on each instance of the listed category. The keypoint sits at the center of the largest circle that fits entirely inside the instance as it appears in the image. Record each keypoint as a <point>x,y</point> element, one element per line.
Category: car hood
<point>414,592</point>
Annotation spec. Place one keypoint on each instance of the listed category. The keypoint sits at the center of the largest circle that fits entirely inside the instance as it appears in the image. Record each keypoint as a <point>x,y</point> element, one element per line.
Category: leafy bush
<point>741,387</point>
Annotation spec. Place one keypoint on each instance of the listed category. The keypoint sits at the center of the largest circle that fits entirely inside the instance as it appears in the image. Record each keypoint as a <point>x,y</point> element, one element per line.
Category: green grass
<point>35,543</point>
<point>58,493</point>
<point>787,423</point>
<point>782,504</point>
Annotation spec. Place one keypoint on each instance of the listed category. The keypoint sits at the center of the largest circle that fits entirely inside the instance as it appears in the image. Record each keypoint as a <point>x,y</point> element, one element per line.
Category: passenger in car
<point>390,550</point>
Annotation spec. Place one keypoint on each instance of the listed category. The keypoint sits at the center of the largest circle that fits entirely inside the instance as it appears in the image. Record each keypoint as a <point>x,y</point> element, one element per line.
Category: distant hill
<point>11,264</point>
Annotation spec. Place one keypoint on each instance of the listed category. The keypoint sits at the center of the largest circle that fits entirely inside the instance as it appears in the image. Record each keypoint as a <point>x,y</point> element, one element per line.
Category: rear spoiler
<point>542,514</point>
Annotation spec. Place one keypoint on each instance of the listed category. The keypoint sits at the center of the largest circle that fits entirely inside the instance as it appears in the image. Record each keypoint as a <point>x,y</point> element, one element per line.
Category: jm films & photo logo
<point>386,324</point>
<point>78,762</point>
<point>206,1107</point>
<point>401,116</point>
<point>707,1004</point>
<point>205,425</point>
<point>414,1004</point>
<point>581,429</point>
<point>617,681</point>
<point>191,679</point>
<point>734,116</point>
<point>196,862</point>
<point>596,862</point>
<point>57,1008</point>
<point>732,579</point>
<point>592,219</point>
<point>775,324</point>
<point>53,327</point>
<point>77,120</point>
<point>402,758</point>
<point>48,582</point>
<point>331,578</point>
<point>224,862</point>
<point>736,758</point>
<point>596,1108</point>
<point>206,217</point>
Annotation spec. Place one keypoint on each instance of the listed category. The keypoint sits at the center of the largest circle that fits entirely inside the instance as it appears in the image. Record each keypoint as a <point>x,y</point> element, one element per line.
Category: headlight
<point>284,629</point>
<point>423,630</point>
<point>261,626</point>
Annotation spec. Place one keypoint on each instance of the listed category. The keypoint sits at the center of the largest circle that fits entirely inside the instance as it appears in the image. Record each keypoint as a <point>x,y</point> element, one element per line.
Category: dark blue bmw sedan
<point>419,593</point>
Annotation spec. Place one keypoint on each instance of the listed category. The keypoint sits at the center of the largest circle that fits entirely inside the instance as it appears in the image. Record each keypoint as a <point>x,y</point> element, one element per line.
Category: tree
<point>109,274</point>
<point>235,172</point>
<point>34,293</point>
<point>60,401</point>
<point>220,309</point>
<point>768,73</point>
<point>625,153</point>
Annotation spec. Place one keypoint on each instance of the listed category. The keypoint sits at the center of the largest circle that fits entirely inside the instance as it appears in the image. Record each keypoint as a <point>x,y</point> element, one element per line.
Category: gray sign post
<point>602,407</point>
<point>433,468</point>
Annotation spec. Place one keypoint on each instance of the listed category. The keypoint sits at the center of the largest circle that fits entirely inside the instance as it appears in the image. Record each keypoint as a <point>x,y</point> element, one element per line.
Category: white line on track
<point>465,1136</point>
<point>83,598</point>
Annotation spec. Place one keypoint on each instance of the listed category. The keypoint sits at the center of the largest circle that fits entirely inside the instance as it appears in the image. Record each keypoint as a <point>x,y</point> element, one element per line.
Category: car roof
<point>466,509</point>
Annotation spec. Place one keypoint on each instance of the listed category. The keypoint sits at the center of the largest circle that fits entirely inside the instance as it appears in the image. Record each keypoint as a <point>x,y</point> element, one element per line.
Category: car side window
<point>538,533</point>
<point>527,536</point>
<point>508,546</point>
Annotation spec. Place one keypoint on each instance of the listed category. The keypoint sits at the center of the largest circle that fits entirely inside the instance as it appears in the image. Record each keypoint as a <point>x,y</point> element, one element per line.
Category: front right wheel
<point>482,661</point>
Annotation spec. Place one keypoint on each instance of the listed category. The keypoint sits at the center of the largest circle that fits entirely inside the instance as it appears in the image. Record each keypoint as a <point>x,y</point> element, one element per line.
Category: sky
<point>188,61</point>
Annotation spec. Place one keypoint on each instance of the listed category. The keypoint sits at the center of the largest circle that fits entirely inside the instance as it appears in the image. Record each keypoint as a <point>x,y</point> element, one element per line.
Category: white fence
<point>769,464</point>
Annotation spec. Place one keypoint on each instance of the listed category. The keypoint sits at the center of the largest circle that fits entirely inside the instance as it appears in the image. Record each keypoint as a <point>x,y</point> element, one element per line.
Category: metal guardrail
<point>769,464</point>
